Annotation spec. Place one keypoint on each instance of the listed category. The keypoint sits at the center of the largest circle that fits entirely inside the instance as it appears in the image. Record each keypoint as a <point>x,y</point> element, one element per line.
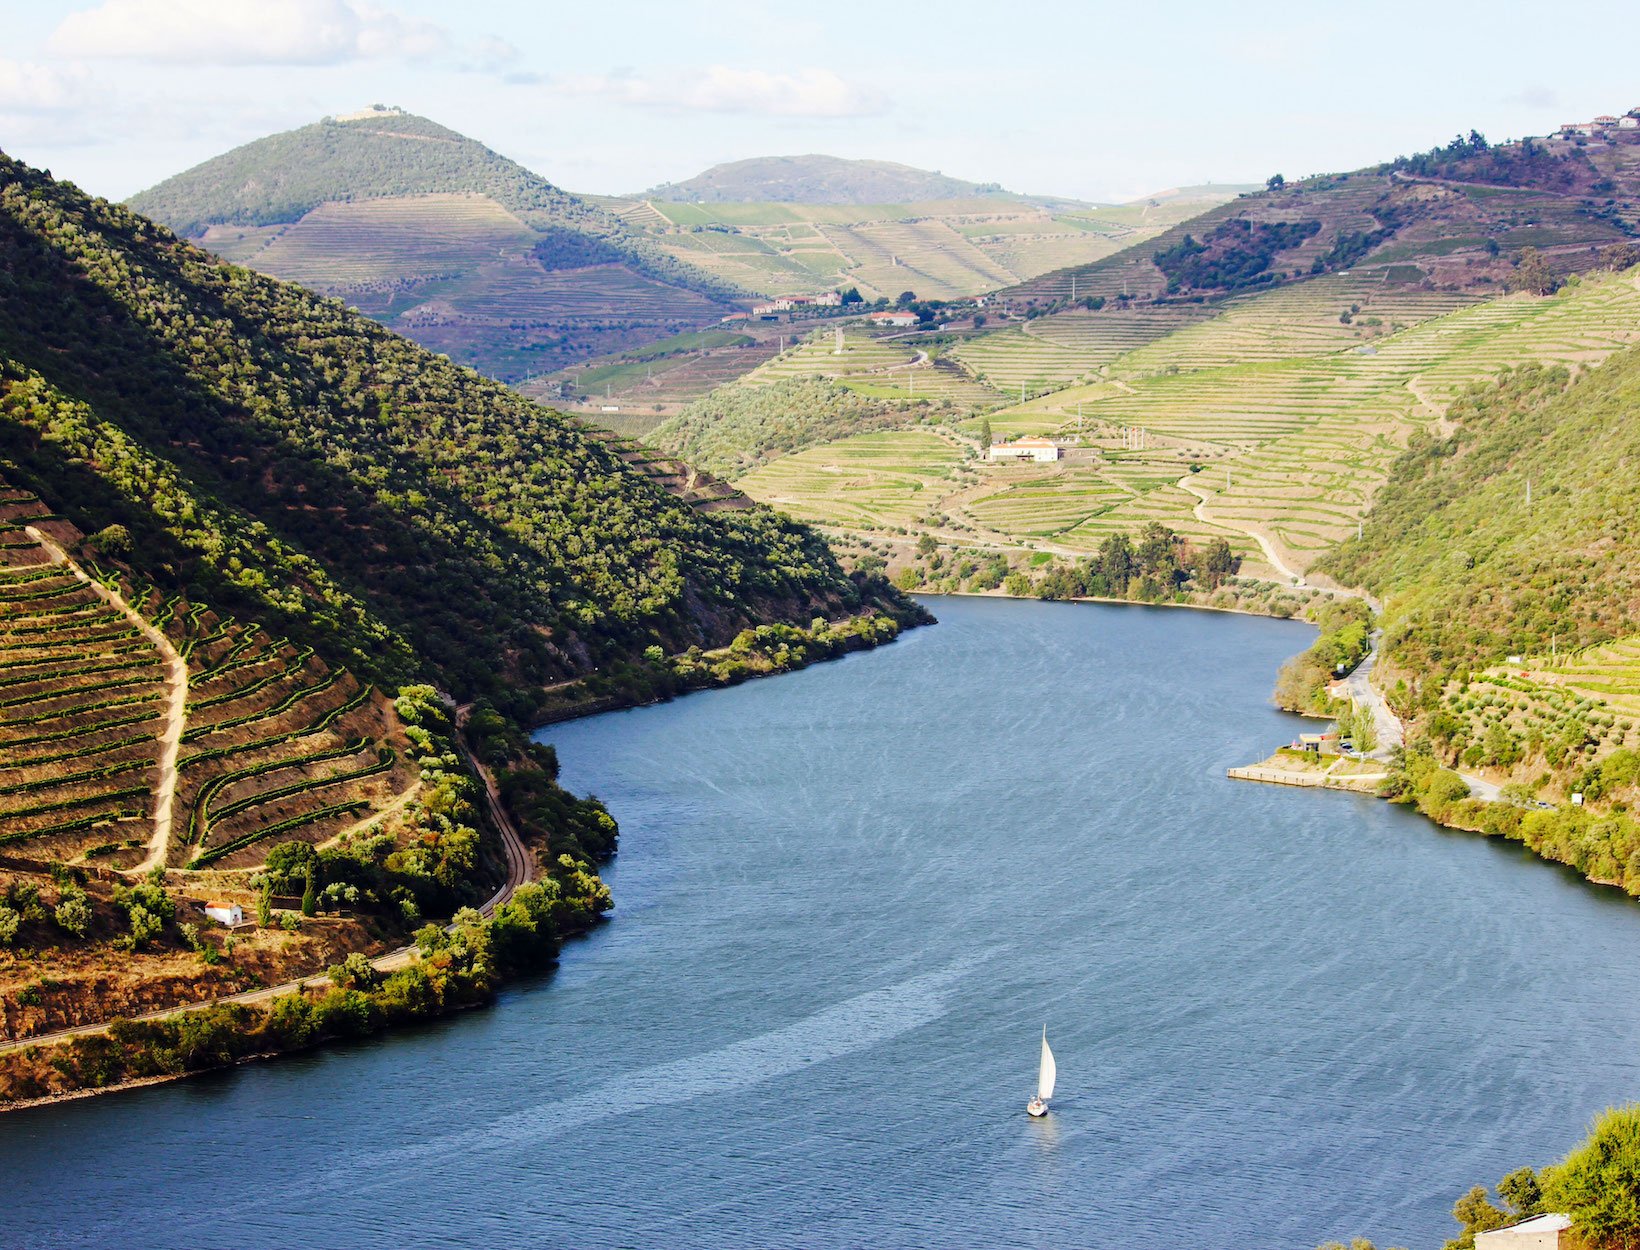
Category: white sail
<point>1045,1075</point>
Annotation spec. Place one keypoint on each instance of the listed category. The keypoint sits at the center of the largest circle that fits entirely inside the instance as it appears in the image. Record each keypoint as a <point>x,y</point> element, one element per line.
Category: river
<point>848,901</point>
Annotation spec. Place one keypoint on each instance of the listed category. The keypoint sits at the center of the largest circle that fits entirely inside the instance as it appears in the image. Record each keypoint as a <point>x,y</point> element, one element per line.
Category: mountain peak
<point>818,179</point>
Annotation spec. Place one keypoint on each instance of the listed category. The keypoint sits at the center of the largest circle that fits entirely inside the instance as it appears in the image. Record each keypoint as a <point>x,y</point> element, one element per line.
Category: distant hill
<point>1456,217</point>
<point>817,180</point>
<point>439,237</point>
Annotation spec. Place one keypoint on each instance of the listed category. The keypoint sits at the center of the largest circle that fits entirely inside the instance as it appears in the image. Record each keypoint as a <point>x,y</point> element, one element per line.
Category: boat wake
<point>853,1025</point>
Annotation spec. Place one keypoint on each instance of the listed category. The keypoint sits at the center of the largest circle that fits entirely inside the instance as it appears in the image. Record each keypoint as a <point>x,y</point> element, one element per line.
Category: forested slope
<point>297,461</point>
<point>1508,556</point>
<point>1520,529</point>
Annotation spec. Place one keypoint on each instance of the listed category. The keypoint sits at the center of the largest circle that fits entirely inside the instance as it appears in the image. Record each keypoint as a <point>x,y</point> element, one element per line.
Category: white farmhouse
<point>1034,448</point>
<point>1541,1232</point>
<point>230,914</point>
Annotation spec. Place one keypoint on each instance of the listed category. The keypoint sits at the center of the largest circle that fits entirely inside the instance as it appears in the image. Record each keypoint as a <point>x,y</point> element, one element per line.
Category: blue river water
<point>848,900</point>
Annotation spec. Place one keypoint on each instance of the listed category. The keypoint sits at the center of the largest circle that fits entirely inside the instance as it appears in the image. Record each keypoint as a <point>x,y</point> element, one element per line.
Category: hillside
<point>1453,216</point>
<point>1506,550</point>
<point>817,180</point>
<point>1516,534</point>
<point>942,248</point>
<point>1249,374</point>
<point>439,237</point>
<point>302,464</point>
<point>235,519</point>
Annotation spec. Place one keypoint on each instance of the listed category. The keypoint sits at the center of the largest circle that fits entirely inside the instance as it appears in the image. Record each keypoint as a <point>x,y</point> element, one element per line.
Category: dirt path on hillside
<point>176,708</point>
<point>1188,483</point>
<point>520,870</point>
<point>393,805</point>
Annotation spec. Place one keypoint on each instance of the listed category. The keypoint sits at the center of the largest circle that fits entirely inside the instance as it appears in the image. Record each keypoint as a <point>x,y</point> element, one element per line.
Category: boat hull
<point>1036,1108</point>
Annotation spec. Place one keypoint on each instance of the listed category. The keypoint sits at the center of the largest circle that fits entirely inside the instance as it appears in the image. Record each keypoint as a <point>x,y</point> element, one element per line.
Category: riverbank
<point>763,651</point>
<point>1602,845</point>
<point>77,1054</point>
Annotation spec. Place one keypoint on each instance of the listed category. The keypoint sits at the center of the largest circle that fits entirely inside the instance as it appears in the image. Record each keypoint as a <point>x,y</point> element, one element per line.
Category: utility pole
<point>1073,288</point>
<point>838,349</point>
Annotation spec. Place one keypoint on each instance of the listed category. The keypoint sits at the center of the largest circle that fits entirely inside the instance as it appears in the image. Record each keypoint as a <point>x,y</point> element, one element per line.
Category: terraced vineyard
<point>459,274</point>
<point>1307,319</point>
<point>1295,447</point>
<point>1270,420</point>
<point>1583,705</point>
<point>82,703</point>
<point>271,745</point>
<point>340,246</point>
<point>869,481</point>
<point>876,366</point>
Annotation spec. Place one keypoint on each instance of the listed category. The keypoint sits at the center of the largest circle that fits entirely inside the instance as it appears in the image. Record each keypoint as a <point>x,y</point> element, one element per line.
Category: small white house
<point>1628,123</point>
<point>1541,1232</point>
<point>230,914</point>
<point>901,318</point>
<point>1034,448</point>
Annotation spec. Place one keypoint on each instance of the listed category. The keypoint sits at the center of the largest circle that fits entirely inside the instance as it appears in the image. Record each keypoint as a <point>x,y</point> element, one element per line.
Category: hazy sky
<point>1096,100</point>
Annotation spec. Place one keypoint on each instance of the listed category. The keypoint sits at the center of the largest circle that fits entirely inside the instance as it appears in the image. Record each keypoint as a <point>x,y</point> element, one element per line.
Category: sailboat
<point>1045,1074</point>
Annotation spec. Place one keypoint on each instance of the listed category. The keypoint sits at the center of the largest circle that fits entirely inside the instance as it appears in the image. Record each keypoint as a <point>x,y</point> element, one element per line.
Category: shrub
<point>73,912</point>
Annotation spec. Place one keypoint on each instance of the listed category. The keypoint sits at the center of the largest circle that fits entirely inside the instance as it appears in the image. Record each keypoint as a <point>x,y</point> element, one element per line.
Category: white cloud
<point>246,32</point>
<point>28,88</point>
<point>724,89</point>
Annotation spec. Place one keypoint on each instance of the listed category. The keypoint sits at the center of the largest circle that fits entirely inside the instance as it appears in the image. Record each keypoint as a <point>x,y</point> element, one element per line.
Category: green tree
<point>310,891</point>
<point>1475,1214</point>
<point>984,433</point>
<point>355,972</point>
<point>264,902</point>
<point>1522,1190</point>
<point>1218,563</point>
<point>10,920</point>
<point>145,925</point>
<point>288,863</point>
<point>1532,273</point>
<point>1116,562</point>
<point>73,912</point>
<point>113,540</point>
<point>1275,182</point>
<point>1598,1183</point>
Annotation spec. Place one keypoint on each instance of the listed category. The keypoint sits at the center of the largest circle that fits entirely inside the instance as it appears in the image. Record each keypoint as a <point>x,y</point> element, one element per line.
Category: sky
<point>1078,98</point>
